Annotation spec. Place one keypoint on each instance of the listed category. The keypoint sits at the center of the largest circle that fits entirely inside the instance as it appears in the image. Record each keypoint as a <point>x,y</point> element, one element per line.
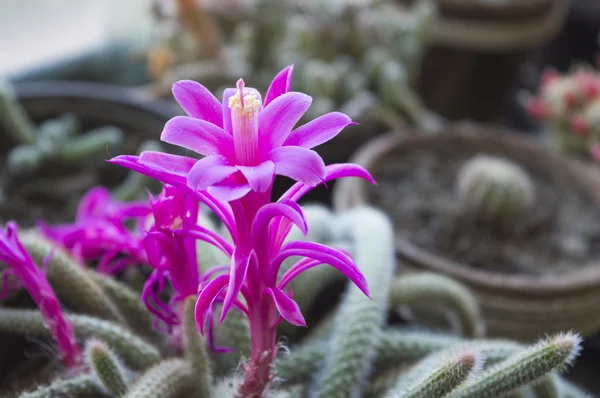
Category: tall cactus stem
<point>357,333</point>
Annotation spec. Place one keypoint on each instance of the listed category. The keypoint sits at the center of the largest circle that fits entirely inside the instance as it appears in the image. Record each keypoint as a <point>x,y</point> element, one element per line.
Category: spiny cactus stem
<point>135,352</point>
<point>106,367</point>
<point>520,369</point>
<point>167,379</point>
<point>195,350</point>
<point>357,332</point>
<point>129,304</point>
<point>443,376</point>
<point>83,386</point>
<point>412,289</point>
<point>75,289</point>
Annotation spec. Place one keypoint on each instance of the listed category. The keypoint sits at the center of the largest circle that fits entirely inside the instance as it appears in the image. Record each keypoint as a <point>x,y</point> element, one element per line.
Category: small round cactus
<point>494,190</point>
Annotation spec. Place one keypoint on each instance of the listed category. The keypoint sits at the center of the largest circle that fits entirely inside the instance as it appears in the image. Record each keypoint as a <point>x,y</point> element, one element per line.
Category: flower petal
<point>208,236</point>
<point>300,164</point>
<point>208,171</point>
<point>198,135</point>
<point>239,267</point>
<point>277,120</point>
<point>260,178</point>
<point>197,101</point>
<point>166,168</point>
<point>206,298</point>
<point>326,255</point>
<point>319,130</point>
<point>288,308</point>
<point>228,190</point>
<point>296,269</point>
<point>89,203</point>
<point>281,84</point>
<point>333,171</point>
<point>288,209</point>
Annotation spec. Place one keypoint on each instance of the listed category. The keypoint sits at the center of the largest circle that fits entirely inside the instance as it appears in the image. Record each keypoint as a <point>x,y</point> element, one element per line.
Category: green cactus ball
<point>494,190</point>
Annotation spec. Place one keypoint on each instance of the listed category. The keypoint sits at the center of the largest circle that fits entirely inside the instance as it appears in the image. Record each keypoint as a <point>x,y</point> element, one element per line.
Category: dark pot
<point>95,105</point>
<point>477,51</point>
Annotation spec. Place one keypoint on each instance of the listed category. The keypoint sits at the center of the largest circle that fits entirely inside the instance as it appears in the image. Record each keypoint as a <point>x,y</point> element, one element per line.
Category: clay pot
<point>519,306</point>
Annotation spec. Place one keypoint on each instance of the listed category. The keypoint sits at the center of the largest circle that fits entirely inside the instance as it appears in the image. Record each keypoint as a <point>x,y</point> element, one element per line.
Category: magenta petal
<point>161,172</point>
<point>288,209</point>
<point>297,269</point>
<point>206,298</point>
<point>198,135</point>
<point>95,197</point>
<point>277,120</point>
<point>334,171</point>
<point>300,164</point>
<point>326,255</point>
<point>208,171</point>
<point>318,131</point>
<point>197,101</point>
<point>239,267</point>
<point>260,178</point>
<point>281,84</point>
<point>288,308</point>
<point>208,236</point>
<point>228,190</point>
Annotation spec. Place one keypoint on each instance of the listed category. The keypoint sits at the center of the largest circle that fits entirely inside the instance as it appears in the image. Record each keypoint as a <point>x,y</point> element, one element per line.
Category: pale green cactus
<point>107,367</point>
<point>494,191</point>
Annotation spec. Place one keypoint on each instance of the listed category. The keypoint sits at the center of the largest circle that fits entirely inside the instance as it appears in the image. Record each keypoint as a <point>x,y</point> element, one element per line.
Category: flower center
<point>245,107</point>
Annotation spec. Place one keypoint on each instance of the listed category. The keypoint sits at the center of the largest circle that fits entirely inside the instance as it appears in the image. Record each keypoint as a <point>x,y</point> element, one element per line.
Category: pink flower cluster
<point>245,142</point>
<point>570,106</point>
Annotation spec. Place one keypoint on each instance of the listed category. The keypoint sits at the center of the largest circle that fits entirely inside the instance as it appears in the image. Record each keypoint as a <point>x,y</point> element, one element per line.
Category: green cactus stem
<point>91,144</point>
<point>168,379</point>
<point>195,350</point>
<point>134,351</point>
<point>546,387</point>
<point>554,353</point>
<point>107,367</point>
<point>83,386</point>
<point>70,280</point>
<point>13,118</point>
<point>24,159</point>
<point>438,374</point>
<point>357,332</point>
<point>425,287</point>
<point>234,333</point>
<point>136,315</point>
<point>494,191</point>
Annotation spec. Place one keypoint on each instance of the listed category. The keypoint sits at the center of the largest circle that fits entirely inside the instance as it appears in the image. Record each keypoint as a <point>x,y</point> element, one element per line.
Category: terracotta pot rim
<point>352,192</point>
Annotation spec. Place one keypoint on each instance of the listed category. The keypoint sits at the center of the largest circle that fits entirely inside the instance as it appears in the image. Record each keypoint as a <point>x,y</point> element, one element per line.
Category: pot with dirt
<point>517,224</point>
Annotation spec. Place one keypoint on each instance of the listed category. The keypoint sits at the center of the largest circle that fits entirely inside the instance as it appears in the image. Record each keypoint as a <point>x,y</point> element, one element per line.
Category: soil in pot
<point>417,188</point>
